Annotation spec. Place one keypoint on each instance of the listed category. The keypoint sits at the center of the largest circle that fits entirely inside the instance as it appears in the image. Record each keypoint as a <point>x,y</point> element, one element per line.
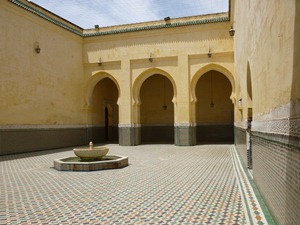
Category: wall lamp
<point>240,102</point>
<point>231,31</point>
<point>37,48</point>
<point>100,61</point>
<point>151,58</point>
<point>209,54</point>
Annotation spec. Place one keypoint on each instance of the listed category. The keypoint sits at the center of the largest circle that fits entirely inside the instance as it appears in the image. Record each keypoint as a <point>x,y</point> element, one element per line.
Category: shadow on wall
<point>215,134</point>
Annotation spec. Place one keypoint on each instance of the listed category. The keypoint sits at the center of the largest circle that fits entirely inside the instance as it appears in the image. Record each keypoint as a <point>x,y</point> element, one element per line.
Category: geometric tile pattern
<point>163,184</point>
<point>255,214</point>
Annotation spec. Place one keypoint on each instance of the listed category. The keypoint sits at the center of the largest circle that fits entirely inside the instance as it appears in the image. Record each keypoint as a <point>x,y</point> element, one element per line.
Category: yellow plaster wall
<point>57,85</point>
<point>264,37</point>
<point>43,88</point>
<point>160,42</point>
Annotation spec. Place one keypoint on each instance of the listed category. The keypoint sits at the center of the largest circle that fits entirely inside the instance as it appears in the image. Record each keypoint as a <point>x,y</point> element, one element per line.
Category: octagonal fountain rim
<point>119,162</point>
<point>90,159</point>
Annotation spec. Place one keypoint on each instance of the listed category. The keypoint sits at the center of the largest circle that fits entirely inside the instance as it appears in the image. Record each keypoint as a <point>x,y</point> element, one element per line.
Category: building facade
<point>184,81</point>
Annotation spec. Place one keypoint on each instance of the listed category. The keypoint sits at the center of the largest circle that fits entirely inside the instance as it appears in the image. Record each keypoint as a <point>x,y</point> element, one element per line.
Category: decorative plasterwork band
<point>284,120</point>
<point>289,126</point>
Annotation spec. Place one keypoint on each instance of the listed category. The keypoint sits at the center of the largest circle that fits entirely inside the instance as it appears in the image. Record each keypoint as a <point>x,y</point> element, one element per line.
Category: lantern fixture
<point>37,48</point>
<point>209,54</point>
<point>240,102</point>
<point>151,58</point>
<point>231,31</point>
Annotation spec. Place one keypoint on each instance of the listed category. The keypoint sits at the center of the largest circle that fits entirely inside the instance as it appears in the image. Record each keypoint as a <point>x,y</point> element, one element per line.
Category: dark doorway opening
<point>157,110</point>
<point>106,124</point>
<point>214,109</point>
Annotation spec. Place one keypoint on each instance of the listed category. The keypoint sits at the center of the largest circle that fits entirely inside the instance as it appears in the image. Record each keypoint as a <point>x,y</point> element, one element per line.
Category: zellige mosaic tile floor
<point>163,184</point>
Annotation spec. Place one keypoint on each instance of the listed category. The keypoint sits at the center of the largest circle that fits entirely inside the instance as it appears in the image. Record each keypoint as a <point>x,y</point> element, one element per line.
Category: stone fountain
<point>91,159</point>
<point>92,153</point>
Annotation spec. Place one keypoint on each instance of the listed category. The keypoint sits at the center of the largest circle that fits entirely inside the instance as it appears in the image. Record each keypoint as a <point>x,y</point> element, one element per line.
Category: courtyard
<point>163,184</point>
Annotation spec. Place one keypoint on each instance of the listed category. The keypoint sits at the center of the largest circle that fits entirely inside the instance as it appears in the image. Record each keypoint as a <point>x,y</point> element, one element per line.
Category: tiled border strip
<point>257,212</point>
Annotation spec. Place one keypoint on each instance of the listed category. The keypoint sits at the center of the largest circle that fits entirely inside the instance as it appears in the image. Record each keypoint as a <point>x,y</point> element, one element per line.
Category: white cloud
<point>87,13</point>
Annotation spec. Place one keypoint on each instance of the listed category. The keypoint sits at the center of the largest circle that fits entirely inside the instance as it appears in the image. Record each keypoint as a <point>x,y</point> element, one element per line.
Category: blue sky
<point>87,13</point>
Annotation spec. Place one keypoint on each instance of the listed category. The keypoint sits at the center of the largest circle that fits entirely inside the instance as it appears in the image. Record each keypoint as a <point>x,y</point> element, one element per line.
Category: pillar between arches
<point>185,134</point>
<point>129,134</point>
<point>185,130</point>
<point>129,129</point>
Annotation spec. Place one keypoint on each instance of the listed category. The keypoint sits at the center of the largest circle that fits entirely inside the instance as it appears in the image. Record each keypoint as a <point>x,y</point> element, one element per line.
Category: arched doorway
<point>104,111</point>
<point>157,110</point>
<point>214,109</point>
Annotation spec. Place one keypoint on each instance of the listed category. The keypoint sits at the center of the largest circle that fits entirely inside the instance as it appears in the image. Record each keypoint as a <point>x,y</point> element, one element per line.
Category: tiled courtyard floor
<point>163,184</point>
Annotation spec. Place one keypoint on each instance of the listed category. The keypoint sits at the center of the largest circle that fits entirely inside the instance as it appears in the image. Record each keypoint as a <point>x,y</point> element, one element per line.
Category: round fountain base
<point>77,164</point>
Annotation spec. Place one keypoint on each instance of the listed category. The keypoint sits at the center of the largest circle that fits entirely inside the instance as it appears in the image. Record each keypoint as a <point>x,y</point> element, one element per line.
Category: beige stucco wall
<point>43,88</point>
<point>264,38</point>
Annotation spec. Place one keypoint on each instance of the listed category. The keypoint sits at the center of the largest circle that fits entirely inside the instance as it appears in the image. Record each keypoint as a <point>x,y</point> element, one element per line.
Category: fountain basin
<point>91,153</point>
<point>78,164</point>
